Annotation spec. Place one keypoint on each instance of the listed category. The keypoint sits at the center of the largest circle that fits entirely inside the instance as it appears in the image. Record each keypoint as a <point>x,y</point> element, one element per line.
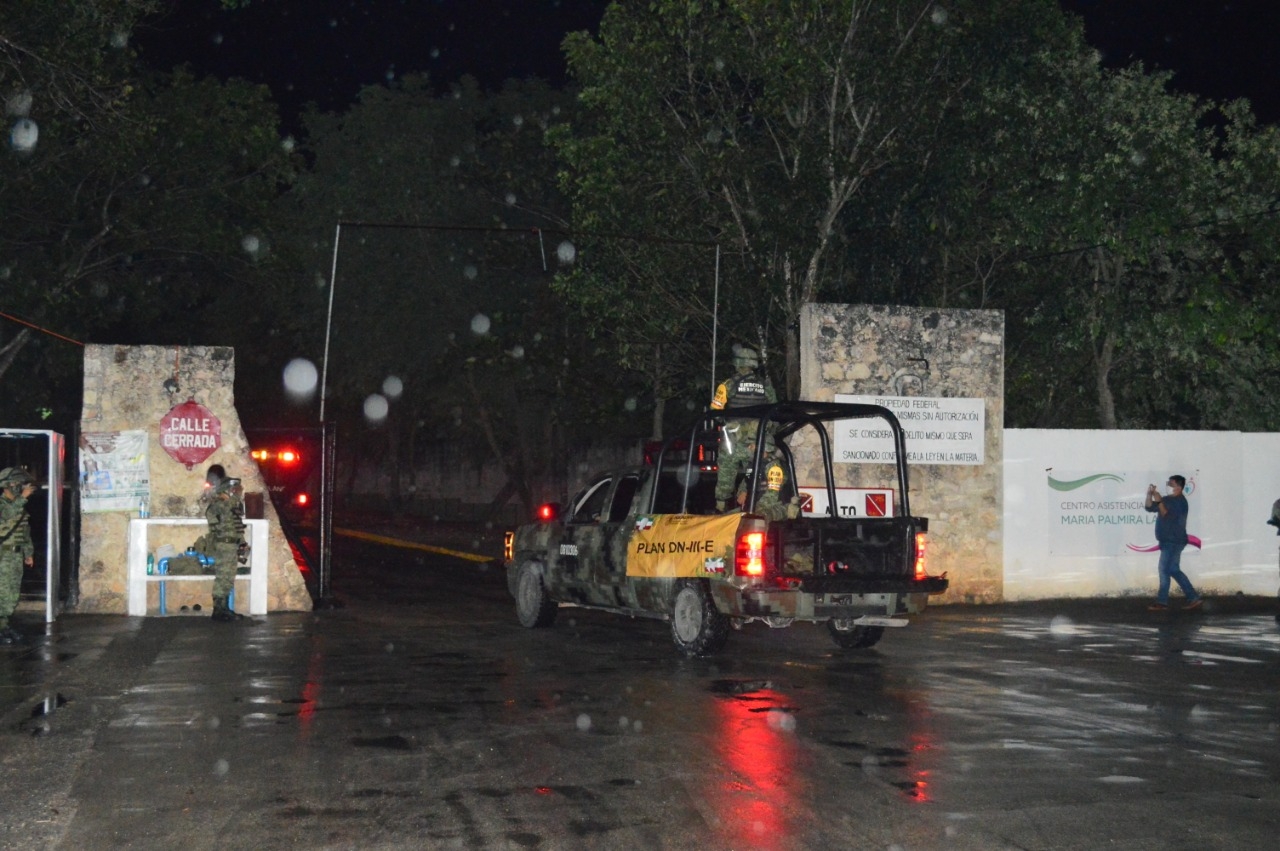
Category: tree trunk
<point>9,352</point>
<point>1102,359</point>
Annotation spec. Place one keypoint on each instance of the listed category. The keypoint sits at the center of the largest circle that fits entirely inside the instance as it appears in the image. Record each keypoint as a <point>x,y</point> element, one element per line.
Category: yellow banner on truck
<point>679,545</point>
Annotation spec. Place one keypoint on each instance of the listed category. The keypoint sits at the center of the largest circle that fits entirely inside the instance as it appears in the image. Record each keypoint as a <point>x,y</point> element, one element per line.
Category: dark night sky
<point>325,50</point>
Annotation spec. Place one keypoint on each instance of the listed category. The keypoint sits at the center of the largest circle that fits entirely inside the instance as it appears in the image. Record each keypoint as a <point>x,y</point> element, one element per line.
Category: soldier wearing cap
<point>225,540</point>
<point>16,549</point>
<point>748,386</point>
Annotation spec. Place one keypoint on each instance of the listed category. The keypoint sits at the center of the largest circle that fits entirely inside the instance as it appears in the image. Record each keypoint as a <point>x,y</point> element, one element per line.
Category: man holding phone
<point>1171,533</point>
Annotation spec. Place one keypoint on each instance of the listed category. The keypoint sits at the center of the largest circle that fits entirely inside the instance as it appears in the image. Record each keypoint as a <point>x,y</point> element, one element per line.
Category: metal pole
<point>715,323</point>
<point>328,323</point>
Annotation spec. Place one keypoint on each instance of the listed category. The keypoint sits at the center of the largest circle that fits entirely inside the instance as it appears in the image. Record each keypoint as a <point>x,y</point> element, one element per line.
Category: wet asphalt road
<point>420,715</point>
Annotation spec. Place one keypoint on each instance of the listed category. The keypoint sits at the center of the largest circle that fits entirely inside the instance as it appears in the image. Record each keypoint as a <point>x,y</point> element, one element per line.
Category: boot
<point>222,612</point>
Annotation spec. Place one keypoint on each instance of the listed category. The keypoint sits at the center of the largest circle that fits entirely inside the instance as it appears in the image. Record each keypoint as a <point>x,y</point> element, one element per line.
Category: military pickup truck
<point>650,541</point>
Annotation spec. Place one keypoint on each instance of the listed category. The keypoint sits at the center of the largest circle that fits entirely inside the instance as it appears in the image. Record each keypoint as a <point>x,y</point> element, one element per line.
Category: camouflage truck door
<point>601,545</point>
<point>569,579</point>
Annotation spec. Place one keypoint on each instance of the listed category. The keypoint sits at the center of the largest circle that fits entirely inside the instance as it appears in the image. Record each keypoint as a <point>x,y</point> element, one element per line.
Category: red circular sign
<point>190,433</point>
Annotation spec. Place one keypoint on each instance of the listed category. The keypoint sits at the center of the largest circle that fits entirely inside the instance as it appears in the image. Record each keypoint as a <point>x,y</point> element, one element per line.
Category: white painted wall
<point>1052,548</point>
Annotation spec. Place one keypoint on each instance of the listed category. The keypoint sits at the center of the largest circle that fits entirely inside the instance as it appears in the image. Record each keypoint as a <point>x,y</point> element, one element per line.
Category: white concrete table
<point>138,577</point>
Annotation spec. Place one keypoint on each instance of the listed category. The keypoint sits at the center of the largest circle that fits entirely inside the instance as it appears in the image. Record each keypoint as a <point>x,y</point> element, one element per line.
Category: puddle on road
<point>739,687</point>
<point>394,743</point>
<point>48,705</point>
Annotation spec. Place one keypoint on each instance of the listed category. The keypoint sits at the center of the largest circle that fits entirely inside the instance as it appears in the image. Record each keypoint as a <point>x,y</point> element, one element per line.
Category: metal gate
<point>43,453</point>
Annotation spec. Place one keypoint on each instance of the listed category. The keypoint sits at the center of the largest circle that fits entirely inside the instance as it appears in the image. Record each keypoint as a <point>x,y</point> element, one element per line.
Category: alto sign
<point>190,433</point>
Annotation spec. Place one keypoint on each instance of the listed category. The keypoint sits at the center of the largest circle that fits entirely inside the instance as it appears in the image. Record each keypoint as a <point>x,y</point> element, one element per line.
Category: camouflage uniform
<point>224,540</point>
<point>16,548</point>
<point>737,445</point>
<point>768,488</point>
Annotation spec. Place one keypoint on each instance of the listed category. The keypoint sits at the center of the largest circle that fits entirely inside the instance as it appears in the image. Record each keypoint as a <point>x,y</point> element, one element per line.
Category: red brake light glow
<point>920,569</point>
<point>546,513</point>
<point>749,554</point>
<point>302,499</point>
<point>288,456</point>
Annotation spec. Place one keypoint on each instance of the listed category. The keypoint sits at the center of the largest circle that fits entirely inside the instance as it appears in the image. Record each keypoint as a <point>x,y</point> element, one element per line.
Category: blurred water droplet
<point>300,378</point>
<point>376,408</point>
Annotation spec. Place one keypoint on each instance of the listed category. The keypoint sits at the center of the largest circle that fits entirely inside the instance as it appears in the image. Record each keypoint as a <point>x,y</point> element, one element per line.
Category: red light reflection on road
<point>310,693</point>
<point>758,787</point>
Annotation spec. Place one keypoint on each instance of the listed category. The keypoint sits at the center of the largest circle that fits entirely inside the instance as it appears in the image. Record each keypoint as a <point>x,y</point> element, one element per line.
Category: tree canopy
<point>975,155</point>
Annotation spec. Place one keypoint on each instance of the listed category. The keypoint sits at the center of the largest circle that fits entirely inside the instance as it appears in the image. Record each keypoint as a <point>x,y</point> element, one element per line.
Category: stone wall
<point>124,390</point>
<point>903,351</point>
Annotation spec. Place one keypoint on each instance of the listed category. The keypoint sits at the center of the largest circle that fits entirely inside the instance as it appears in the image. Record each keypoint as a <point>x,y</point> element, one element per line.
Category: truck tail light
<point>301,499</point>
<point>548,512</point>
<point>920,568</point>
<point>749,554</point>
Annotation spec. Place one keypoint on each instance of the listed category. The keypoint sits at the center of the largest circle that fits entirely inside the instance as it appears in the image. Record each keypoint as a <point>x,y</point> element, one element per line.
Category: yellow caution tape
<point>409,545</point>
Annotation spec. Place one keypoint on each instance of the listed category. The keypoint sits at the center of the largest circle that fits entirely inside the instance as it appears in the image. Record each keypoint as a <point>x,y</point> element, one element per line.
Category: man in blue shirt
<point>1171,533</point>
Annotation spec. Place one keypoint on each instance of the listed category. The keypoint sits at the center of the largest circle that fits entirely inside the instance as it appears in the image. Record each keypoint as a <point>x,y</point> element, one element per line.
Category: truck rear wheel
<point>697,626</point>
<point>534,607</point>
<point>852,637</point>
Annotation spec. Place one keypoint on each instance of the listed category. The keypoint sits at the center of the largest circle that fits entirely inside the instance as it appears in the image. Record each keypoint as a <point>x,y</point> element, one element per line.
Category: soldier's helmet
<point>230,486</point>
<point>15,477</point>
<point>745,358</point>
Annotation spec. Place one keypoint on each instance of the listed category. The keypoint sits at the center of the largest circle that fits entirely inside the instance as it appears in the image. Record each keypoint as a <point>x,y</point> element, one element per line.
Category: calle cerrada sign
<point>190,433</point>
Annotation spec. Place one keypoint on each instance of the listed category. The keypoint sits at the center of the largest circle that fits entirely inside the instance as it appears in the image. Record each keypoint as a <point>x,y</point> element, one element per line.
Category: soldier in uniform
<point>748,386</point>
<point>768,487</point>
<point>16,548</point>
<point>225,541</point>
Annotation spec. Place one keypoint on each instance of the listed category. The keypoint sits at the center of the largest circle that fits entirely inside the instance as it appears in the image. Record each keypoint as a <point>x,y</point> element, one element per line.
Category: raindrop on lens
<point>24,135</point>
<point>480,325</point>
<point>251,244</point>
<point>583,723</point>
<point>18,105</point>
<point>566,252</point>
<point>221,767</point>
<point>300,378</point>
<point>392,387</point>
<point>376,408</point>
<point>469,272</point>
<point>630,404</point>
<point>1062,625</point>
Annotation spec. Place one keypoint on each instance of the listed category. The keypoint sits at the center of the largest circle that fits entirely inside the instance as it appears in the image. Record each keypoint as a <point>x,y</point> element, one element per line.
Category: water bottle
<point>151,564</point>
<point>142,509</point>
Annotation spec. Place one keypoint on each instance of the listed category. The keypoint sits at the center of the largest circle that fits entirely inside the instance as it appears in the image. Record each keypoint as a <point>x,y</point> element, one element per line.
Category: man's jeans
<point>1171,568</point>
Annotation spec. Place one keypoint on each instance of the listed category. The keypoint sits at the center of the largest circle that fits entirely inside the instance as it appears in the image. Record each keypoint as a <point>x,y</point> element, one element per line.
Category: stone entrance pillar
<point>945,359</point>
<point>130,389</point>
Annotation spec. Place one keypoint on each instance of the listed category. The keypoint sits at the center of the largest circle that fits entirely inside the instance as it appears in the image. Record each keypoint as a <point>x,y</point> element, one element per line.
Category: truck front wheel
<point>697,626</point>
<point>534,607</point>
<point>852,637</point>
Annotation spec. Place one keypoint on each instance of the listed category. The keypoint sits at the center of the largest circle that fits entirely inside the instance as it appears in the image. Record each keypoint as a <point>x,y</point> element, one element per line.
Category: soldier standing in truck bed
<point>749,386</point>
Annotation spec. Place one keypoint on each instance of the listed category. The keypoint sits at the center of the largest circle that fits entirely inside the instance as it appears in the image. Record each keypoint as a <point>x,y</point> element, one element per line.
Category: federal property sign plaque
<point>190,433</point>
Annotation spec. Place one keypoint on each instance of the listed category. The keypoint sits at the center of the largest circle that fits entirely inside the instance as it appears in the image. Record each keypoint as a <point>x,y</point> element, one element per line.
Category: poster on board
<point>114,473</point>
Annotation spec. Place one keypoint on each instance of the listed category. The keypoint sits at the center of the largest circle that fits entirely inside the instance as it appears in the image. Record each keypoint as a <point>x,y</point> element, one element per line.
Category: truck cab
<point>651,540</point>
